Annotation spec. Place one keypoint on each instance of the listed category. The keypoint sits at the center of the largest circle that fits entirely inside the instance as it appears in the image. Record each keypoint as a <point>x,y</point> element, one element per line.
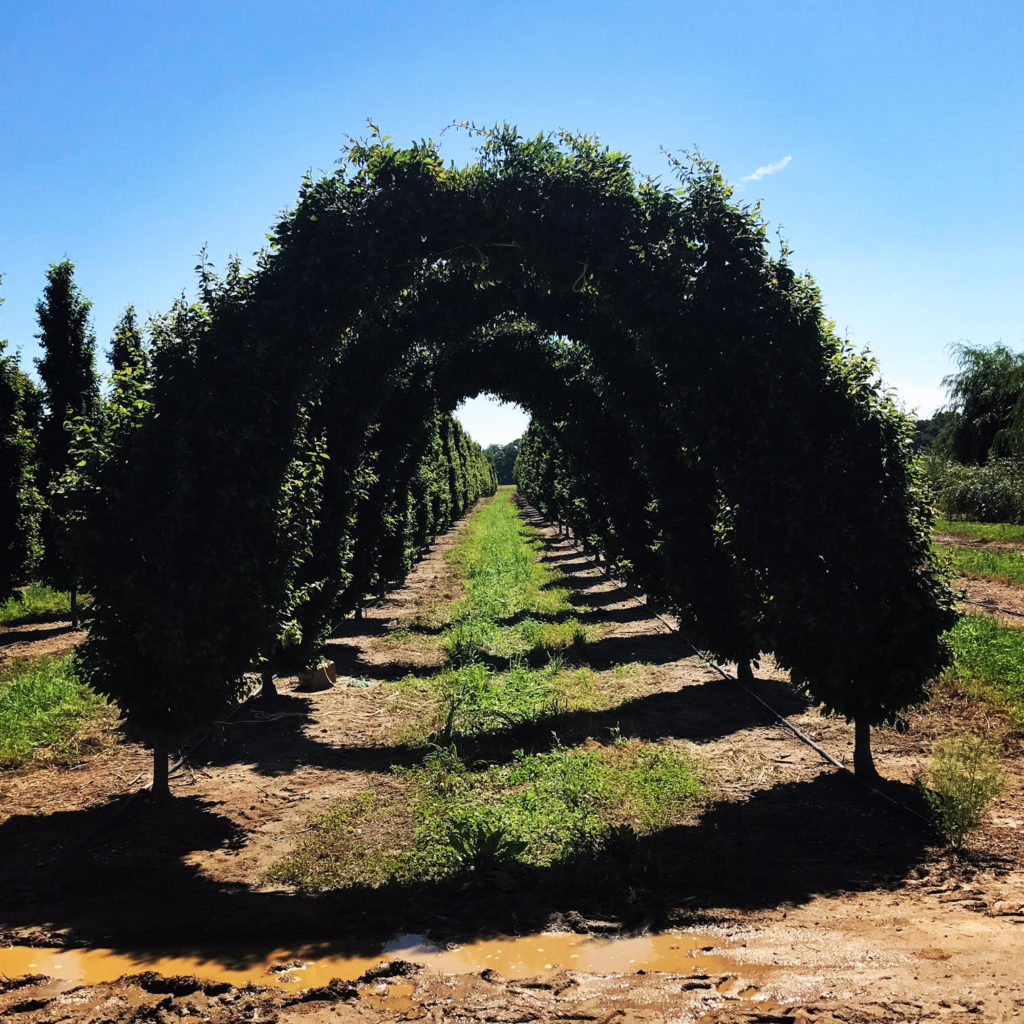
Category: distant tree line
<point>974,446</point>
<point>503,458</point>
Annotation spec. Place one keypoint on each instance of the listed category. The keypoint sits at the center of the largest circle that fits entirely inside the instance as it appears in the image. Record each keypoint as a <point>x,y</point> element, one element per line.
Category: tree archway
<point>751,475</point>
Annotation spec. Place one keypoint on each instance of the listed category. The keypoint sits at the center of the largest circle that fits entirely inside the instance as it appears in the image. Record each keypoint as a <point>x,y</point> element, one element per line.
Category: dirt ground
<point>832,902</point>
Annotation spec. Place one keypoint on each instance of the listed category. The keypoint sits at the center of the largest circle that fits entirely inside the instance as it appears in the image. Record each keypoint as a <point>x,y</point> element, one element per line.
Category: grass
<point>474,700</point>
<point>1005,566</point>
<point>510,641</point>
<point>37,603</point>
<point>981,531</point>
<point>539,810</point>
<point>988,662</point>
<point>47,714</point>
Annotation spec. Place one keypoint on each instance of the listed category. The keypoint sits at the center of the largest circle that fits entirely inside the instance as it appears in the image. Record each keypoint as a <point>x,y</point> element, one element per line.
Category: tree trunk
<point>268,691</point>
<point>74,604</point>
<point>745,672</point>
<point>863,762</point>
<point>161,790</point>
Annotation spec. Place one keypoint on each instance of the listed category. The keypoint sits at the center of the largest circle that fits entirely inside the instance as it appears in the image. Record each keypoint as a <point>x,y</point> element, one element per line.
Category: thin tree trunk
<point>268,691</point>
<point>161,790</point>
<point>745,672</point>
<point>74,604</point>
<point>863,761</point>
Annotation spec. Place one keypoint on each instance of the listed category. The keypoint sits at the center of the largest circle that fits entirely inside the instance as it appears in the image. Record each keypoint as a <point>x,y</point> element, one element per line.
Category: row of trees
<point>354,510</point>
<point>706,428</point>
<point>37,429</point>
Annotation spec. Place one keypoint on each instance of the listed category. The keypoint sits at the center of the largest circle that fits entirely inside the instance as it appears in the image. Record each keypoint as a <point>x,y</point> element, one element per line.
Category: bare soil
<point>838,903</point>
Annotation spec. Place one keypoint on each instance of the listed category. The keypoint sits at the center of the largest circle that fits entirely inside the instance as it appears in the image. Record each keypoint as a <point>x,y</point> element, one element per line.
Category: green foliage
<point>21,505</point>
<point>986,399</point>
<point>538,810</point>
<point>36,603</point>
<point>927,432</point>
<point>70,391</point>
<point>43,707</point>
<point>503,458</point>
<point>988,660</point>
<point>128,348</point>
<point>1007,566</point>
<point>711,428</point>
<point>963,777</point>
<point>992,493</point>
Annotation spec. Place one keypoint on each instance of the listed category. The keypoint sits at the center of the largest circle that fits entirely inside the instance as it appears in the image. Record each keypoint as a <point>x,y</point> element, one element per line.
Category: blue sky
<point>133,134</point>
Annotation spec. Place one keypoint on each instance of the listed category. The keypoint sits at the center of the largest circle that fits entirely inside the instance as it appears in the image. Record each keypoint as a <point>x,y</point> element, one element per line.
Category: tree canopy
<point>705,425</point>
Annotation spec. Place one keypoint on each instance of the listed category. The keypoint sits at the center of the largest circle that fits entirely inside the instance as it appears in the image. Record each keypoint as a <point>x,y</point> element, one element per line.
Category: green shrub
<point>963,777</point>
<point>993,493</point>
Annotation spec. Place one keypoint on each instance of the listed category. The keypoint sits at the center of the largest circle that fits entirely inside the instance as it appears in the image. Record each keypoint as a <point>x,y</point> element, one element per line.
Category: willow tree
<point>753,476</point>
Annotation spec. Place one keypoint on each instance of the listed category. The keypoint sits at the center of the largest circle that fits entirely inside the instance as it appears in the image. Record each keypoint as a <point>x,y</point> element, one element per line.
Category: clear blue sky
<point>892,132</point>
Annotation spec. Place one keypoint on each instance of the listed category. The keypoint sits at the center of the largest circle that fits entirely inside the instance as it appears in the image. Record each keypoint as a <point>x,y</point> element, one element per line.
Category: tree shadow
<point>273,739</point>
<point>30,632</point>
<point>700,713</point>
<point>134,885</point>
<point>348,661</point>
<point>352,628</point>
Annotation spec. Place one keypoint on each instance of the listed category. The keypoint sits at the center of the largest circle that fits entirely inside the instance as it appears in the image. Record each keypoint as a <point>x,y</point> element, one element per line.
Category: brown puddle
<point>310,966</point>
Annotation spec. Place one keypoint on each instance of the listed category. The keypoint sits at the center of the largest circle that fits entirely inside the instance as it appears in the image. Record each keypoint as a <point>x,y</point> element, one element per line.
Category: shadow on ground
<point>129,885</point>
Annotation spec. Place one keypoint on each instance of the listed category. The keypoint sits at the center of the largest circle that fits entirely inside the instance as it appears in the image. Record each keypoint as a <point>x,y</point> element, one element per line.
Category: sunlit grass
<point>988,662</point>
<point>1004,566</point>
<point>37,603</point>
<point>981,531</point>
<point>46,711</point>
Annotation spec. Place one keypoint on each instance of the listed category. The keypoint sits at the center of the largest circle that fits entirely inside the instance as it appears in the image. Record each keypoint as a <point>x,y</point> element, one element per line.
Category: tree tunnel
<point>741,465</point>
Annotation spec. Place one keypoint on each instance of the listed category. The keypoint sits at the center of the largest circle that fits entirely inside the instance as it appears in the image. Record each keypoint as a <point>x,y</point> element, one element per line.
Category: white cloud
<point>763,172</point>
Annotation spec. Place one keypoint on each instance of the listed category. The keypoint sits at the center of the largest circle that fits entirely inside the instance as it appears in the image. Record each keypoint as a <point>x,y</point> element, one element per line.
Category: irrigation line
<point>994,608</point>
<point>802,736</point>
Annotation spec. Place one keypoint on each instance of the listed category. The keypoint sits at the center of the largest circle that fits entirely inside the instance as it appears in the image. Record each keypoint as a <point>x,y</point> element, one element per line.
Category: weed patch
<point>536,811</point>
<point>962,778</point>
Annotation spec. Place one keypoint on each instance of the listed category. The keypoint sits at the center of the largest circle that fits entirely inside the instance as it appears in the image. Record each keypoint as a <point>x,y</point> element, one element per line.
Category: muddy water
<point>309,966</point>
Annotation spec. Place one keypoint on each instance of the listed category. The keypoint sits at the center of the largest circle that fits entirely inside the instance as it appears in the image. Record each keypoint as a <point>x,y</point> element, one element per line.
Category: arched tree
<point>749,472</point>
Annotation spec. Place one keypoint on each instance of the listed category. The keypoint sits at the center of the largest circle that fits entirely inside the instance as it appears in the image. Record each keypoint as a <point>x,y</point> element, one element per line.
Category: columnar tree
<point>70,390</point>
<point>20,504</point>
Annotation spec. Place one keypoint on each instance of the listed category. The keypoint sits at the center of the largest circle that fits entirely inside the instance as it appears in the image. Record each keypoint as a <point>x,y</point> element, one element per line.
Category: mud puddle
<point>311,966</point>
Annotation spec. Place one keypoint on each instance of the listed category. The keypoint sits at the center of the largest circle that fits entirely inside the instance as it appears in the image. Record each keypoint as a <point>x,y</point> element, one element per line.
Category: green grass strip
<point>981,531</point>
<point>988,661</point>
<point>43,705</point>
<point>36,603</point>
<point>1005,566</point>
<point>539,810</point>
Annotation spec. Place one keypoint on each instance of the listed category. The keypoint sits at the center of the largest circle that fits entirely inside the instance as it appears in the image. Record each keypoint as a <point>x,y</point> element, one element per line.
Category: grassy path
<point>471,805</point>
